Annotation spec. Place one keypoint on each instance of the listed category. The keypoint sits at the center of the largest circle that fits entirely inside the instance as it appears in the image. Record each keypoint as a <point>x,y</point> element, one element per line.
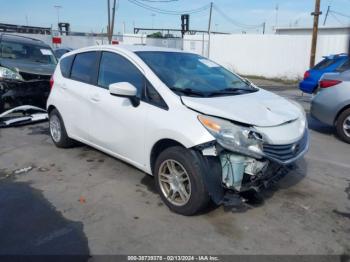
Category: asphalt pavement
<point>81,201</point>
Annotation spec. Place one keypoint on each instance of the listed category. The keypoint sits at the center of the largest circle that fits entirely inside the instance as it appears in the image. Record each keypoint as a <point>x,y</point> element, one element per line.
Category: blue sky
<point>91,15</point>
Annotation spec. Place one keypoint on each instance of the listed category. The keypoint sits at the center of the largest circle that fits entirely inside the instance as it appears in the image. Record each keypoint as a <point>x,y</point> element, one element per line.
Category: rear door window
<point>65,65</point>
<point>84,67</point>
<point>114,69</point>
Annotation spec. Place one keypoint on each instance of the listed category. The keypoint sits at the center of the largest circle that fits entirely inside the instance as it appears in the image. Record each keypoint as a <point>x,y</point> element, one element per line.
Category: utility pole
<point>325,19</point>
<point>264,26</point>
<point>316,15</point>
<point>110,26</point>
<point>58,7</point>
<point>113,17</point>
<point>209,27</point>
<point>276,18</point>
<point>109,22</point>
<point>153,15</point>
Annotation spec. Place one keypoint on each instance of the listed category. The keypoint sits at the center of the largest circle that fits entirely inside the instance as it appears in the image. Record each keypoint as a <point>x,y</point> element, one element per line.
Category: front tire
<point>343,126</point>
<point>58,131</point>
<point>179,181</point>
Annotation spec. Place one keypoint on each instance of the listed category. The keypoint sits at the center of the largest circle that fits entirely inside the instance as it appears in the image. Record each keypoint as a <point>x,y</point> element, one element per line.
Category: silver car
<point>331,105</point>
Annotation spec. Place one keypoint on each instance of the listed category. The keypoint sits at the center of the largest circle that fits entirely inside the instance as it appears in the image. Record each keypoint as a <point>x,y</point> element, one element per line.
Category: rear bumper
<point>308,86</point>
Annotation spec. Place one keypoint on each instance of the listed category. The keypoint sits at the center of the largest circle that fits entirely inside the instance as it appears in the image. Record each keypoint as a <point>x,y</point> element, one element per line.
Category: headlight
<point>243,140</point>
<point>9,74</point>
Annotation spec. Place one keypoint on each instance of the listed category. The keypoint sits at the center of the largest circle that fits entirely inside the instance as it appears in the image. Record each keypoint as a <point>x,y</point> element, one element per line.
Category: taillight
<point>306,74</point>
<point>328,83</point>
<point>51,82</point>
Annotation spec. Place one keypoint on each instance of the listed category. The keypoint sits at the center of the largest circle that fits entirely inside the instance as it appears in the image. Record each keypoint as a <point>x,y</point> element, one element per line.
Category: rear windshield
<point>27,52</point>
<point>325,63</point>
<point>344,67</point>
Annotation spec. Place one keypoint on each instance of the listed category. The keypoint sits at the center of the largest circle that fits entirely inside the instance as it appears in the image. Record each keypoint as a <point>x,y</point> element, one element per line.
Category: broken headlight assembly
<point>6,73</point>
<point>235,138</point>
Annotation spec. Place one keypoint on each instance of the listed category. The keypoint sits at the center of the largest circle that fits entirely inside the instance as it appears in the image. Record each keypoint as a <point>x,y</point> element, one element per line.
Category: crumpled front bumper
<point>241,173</point>
<point>14,93</point>
<point>287,154</point>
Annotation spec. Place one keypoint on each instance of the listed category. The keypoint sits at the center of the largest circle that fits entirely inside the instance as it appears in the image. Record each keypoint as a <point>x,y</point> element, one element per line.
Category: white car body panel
<point>261,108</point>
<point>111,124</point>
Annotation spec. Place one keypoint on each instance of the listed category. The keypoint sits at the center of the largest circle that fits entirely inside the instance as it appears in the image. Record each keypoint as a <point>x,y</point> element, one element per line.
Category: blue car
<point>332,63</point>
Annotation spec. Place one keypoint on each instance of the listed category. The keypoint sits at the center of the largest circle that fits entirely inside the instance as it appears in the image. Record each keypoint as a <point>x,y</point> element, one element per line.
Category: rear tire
<point>58,131</point>
<point>343,126</point>
<point>178,178</point>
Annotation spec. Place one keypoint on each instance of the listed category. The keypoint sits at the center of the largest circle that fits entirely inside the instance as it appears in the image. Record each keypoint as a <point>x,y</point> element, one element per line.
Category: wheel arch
<point>159,147</point>
<point>341,111</point>
<point>50,108</point>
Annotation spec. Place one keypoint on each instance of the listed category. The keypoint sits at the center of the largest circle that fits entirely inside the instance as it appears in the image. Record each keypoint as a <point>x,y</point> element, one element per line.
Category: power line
<point>159,1</point>
<point>337,19</point>
<point>341,14</point>
<point>236,23</point>
<point>168,12</point>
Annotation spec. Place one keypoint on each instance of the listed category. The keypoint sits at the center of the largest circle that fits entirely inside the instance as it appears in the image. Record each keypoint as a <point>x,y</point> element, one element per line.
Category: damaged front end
<point>17,92</point>
<point>22,115</point>
<point>23,97</point>
<point>244,161</point>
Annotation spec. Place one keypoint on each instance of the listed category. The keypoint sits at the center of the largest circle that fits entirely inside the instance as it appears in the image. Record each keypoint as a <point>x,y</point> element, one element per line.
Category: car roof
<point>343,55</point>
<point>146,48</point>
<point>126,48</point>
<point>21,39</point>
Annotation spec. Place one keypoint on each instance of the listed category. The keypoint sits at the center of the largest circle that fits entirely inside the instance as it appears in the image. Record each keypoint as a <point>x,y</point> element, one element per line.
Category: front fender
<point>212,175</point>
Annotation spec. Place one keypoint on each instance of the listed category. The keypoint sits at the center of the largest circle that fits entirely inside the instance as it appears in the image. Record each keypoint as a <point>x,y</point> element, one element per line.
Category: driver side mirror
<point>125,89</point>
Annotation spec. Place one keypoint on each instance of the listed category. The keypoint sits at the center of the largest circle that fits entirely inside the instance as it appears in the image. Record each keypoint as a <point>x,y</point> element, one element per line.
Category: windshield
<point>27,52</point>
<point>191,74</point>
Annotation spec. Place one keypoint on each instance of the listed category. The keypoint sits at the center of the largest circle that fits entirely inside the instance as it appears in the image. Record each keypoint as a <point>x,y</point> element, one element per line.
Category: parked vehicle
<point>331,105</point>
<point>59,52</point>
<point>26,65</point>
<point>332,63</point>
<point>202,131</point>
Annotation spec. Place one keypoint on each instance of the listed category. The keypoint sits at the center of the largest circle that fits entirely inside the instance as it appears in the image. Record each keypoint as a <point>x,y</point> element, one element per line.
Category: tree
<point>156,35</point>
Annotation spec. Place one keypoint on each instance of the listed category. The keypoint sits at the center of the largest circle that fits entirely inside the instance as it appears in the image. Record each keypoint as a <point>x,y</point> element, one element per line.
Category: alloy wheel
<point>346,126</point>
<point>55,128</point>
<point>174,182</point>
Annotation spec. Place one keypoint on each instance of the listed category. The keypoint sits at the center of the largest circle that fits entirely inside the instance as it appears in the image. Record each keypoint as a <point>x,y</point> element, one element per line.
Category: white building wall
<point>196,44</point>
<point>132,39</point>
<point>271,56</point>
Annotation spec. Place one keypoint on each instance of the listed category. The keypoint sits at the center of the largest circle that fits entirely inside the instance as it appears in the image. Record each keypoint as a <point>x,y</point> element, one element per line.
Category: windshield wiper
<point>230,91</point>
<point>187,91</point>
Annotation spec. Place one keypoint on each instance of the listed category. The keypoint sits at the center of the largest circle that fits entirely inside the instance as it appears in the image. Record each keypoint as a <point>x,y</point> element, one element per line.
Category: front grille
<point>28,76</point>
<point>286,153</point>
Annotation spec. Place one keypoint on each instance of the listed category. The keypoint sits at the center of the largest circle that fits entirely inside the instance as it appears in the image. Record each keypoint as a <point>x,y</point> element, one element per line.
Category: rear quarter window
<point>84,67</point>
<point>66,65</point>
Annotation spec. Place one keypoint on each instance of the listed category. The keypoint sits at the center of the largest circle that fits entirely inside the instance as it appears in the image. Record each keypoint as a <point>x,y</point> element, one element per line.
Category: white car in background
<point>202,131</point>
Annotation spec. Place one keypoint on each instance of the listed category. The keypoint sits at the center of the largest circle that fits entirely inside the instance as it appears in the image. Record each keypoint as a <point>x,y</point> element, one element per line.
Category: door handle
<point>64,86</point>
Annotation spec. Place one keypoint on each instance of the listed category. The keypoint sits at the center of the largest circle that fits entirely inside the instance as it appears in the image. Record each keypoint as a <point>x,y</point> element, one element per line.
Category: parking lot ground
<point>82,201</point>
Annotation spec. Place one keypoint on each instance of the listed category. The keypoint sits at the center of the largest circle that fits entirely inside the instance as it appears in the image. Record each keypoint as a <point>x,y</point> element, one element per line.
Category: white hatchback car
<point>201,130</point>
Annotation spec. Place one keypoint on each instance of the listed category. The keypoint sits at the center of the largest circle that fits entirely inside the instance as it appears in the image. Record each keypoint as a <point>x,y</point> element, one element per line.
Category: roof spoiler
<point>334,56</point>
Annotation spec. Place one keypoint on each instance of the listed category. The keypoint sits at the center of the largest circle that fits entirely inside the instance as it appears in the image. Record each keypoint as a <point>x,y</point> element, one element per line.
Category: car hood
<point>261,108</point>
<point>28,67</point>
